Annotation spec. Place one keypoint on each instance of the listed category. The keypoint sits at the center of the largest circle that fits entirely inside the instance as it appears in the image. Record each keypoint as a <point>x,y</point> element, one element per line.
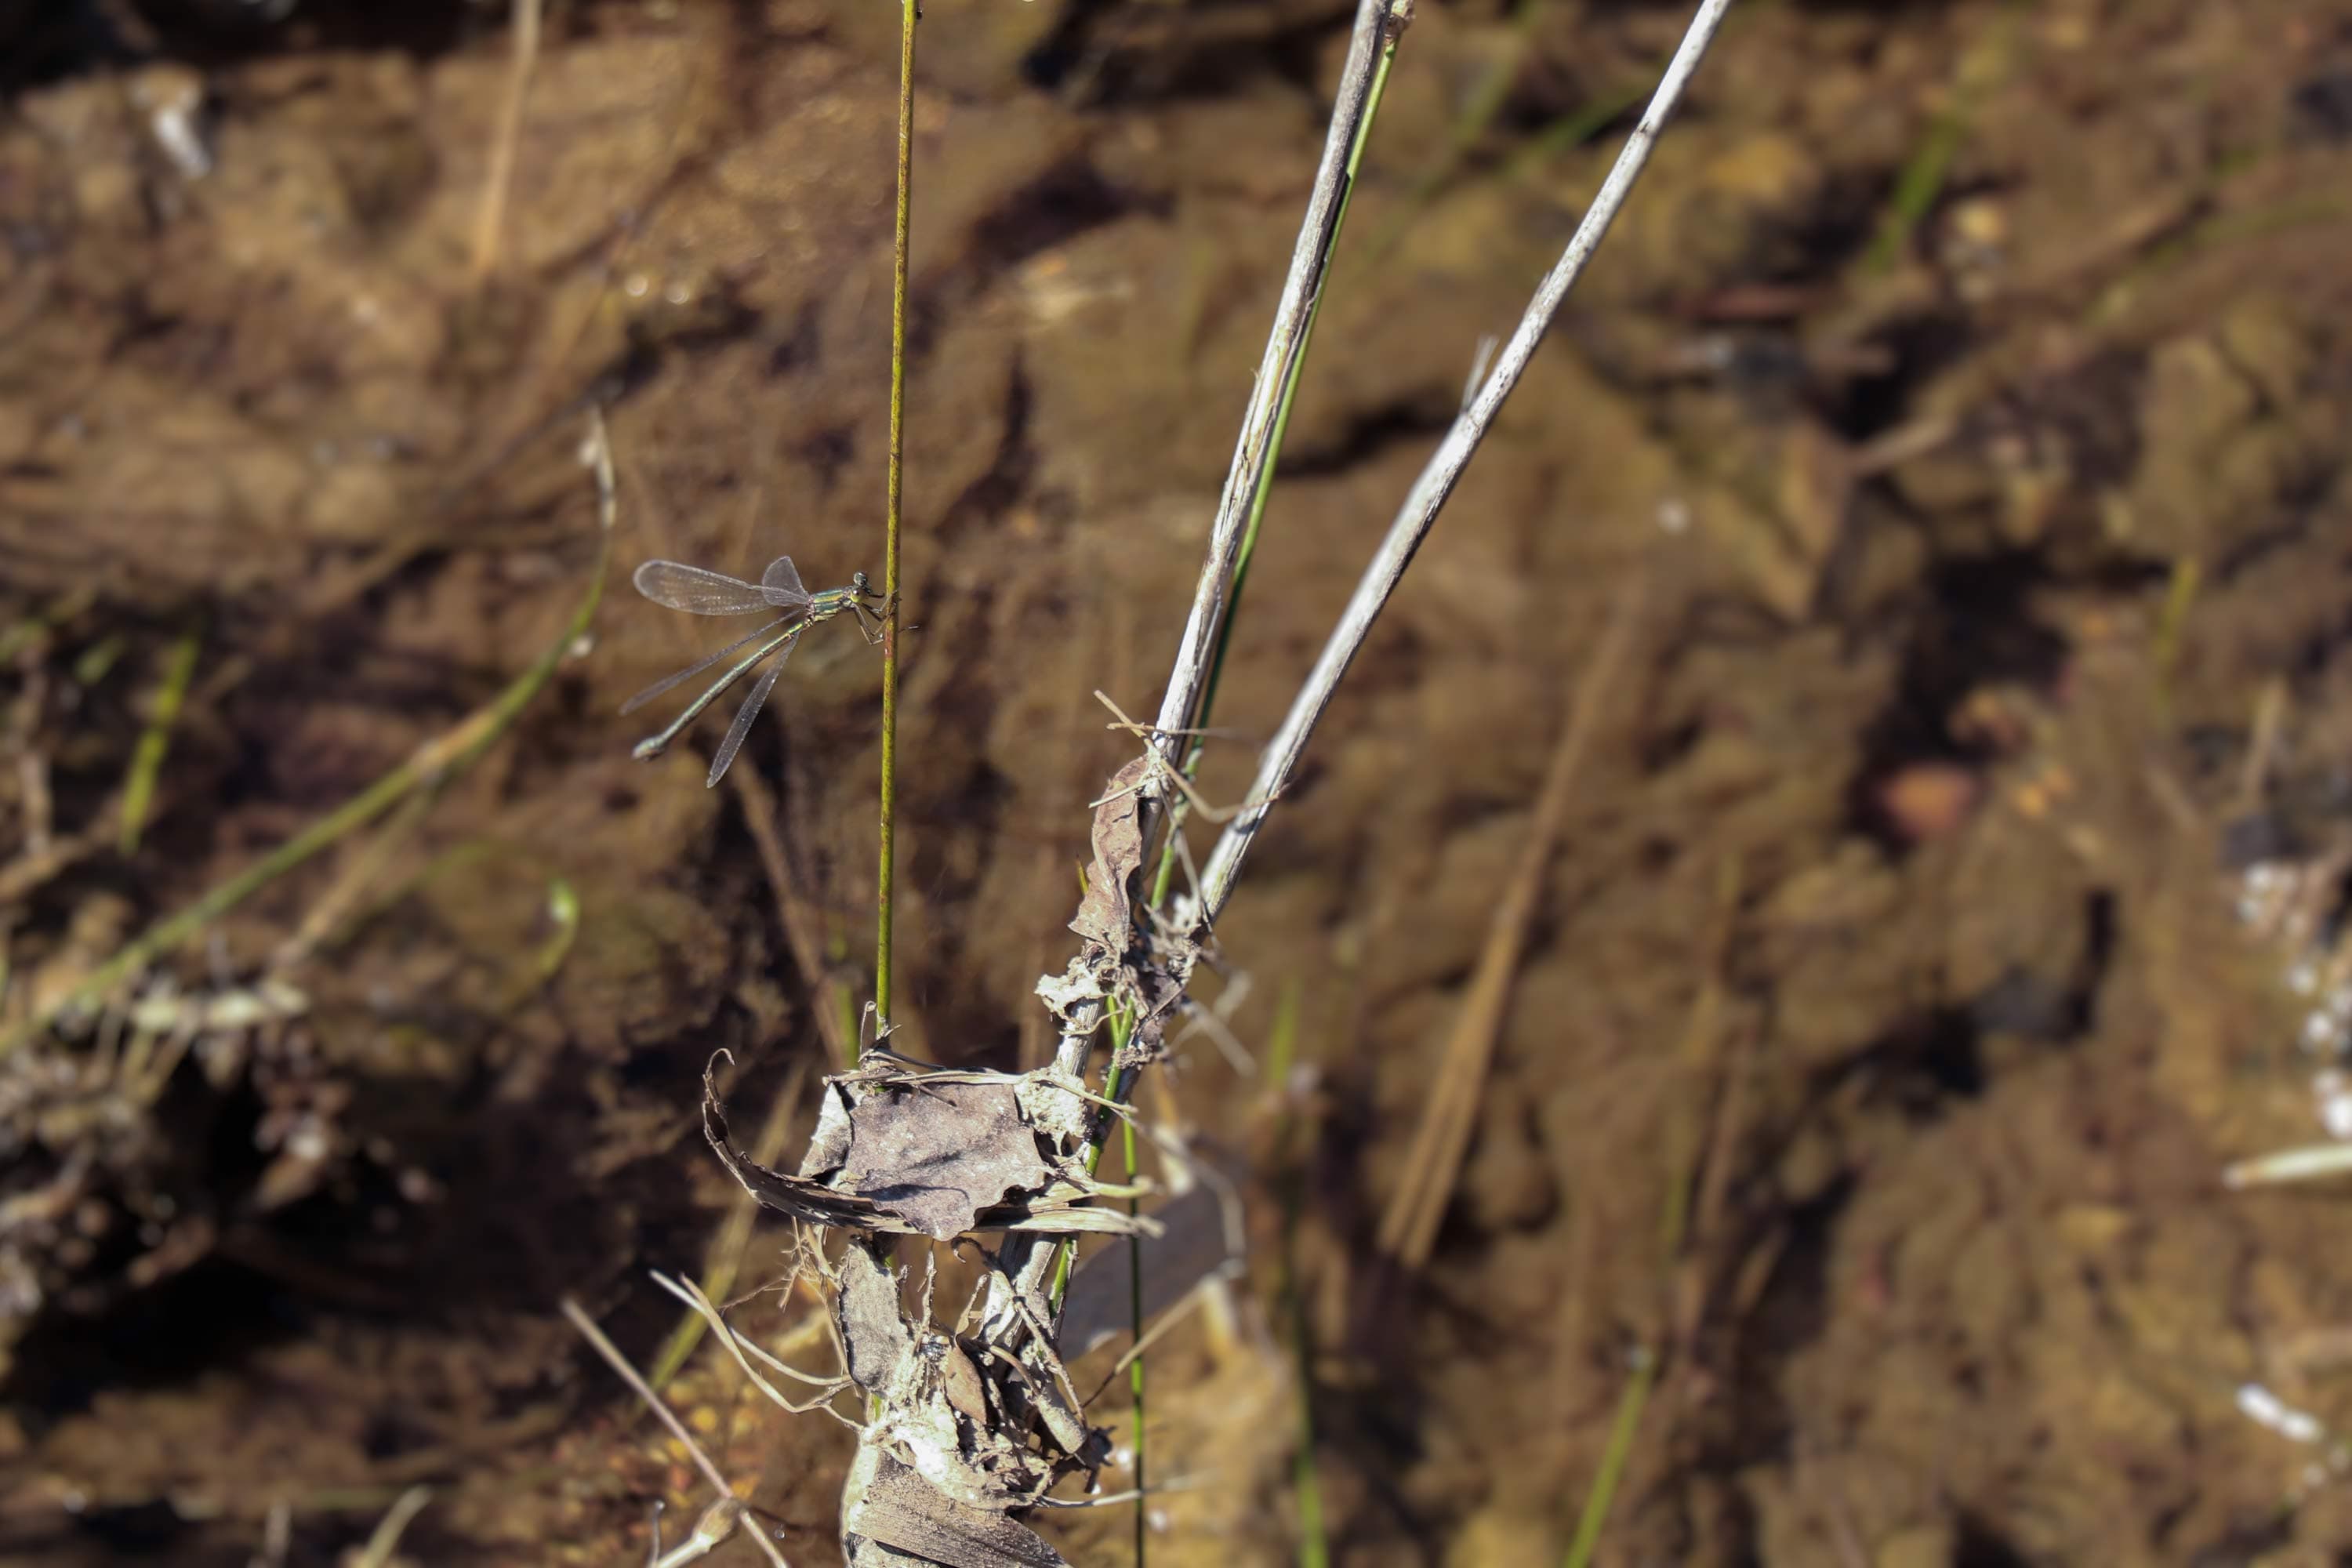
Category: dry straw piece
<point>1408,1229</point>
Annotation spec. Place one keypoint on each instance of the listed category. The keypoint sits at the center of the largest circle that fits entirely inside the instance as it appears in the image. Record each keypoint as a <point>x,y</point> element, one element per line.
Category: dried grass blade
<point>1408,1229</point>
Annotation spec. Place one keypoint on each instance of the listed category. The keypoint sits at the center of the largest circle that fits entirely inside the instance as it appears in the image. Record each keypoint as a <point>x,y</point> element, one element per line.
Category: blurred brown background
<point>1949,892</point>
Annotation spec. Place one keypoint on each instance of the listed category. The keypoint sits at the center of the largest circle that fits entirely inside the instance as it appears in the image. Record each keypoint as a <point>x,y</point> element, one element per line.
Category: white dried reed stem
<point>1027,1255</point>
<point>1437,479</point>
<point>1308,258</point>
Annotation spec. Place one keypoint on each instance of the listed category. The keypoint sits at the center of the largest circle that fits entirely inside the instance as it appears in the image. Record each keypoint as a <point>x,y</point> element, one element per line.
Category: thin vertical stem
<point>1134,1368</point>
<point>1377,23</point>
<point>883,876</point>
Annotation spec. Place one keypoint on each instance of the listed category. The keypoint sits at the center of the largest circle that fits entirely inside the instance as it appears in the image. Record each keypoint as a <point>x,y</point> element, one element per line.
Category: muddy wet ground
<point>1947,897</point>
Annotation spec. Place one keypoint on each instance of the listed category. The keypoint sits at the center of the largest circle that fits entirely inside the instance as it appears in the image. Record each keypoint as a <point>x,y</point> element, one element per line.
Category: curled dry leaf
<point>1106,915</point>
<point>932,1155</point>
<point>798,1197</point>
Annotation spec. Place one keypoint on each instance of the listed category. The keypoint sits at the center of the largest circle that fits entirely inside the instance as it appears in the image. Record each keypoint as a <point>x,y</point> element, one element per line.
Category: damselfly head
<point>863,586</point>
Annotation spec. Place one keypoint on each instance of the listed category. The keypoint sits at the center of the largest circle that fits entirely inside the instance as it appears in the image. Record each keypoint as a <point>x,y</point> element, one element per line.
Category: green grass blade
<point>155,741</point>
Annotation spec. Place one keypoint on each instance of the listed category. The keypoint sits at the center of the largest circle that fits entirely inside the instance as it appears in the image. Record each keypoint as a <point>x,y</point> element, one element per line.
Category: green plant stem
<point>1630,1406</point>
<point>22,634</point>
<point>1307,1478</point>
<point>895,505</point>
<point>1134,1368</point>
<point>1166,873</point>
<point>1282,1050</point>
<point>1922,178</point>
<point>443,757</point>
<point>155,741</point>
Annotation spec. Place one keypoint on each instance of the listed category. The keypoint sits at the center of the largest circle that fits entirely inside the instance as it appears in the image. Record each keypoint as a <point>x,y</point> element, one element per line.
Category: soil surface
<point>1949,894</point>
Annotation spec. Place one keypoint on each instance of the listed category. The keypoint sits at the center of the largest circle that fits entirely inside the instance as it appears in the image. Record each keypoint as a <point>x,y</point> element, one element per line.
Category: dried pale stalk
<point>1376,22</point>
<point>491,221</point>
<point>1437,479</point>
<point>386,1540</point>
<point>1027,1259</point>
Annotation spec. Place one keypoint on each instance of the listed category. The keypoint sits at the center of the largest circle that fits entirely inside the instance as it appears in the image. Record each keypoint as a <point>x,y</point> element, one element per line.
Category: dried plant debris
<point>897,1517</point>
<point>945,1456</point>
<point>935,1156</point>
<point>965,1431</point>
<point>91,1206</point>
<point>936,1153</point>
<point>1106,916</point>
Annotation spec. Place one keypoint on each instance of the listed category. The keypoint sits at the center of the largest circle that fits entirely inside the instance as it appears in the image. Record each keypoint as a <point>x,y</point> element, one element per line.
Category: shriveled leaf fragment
<point>931,1189</point>
<point>1045,1383</point>
<point>1054,1105</point>
<point>1106,914</point>
<point>960,1385</point>
<point>936,1155</point>
<point>900,1511</point>
<point>797,1196</point>
<point>829,1144</point>
<point>873,1326</point>
<point>1063,992</point>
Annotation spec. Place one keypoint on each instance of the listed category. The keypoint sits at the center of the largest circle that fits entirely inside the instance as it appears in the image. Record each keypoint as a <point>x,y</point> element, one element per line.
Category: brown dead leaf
<point>935,1156</point>
<point>795,1195</point>
<point>1106,915</point>
<point>898,1508</point>
<point>966,1171</point>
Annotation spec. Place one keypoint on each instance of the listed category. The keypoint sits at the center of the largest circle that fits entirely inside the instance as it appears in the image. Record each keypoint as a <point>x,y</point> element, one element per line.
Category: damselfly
<point>701,591</point>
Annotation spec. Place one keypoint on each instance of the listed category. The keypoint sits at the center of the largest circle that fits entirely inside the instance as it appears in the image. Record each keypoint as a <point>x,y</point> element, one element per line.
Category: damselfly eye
<point>857,581</point>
